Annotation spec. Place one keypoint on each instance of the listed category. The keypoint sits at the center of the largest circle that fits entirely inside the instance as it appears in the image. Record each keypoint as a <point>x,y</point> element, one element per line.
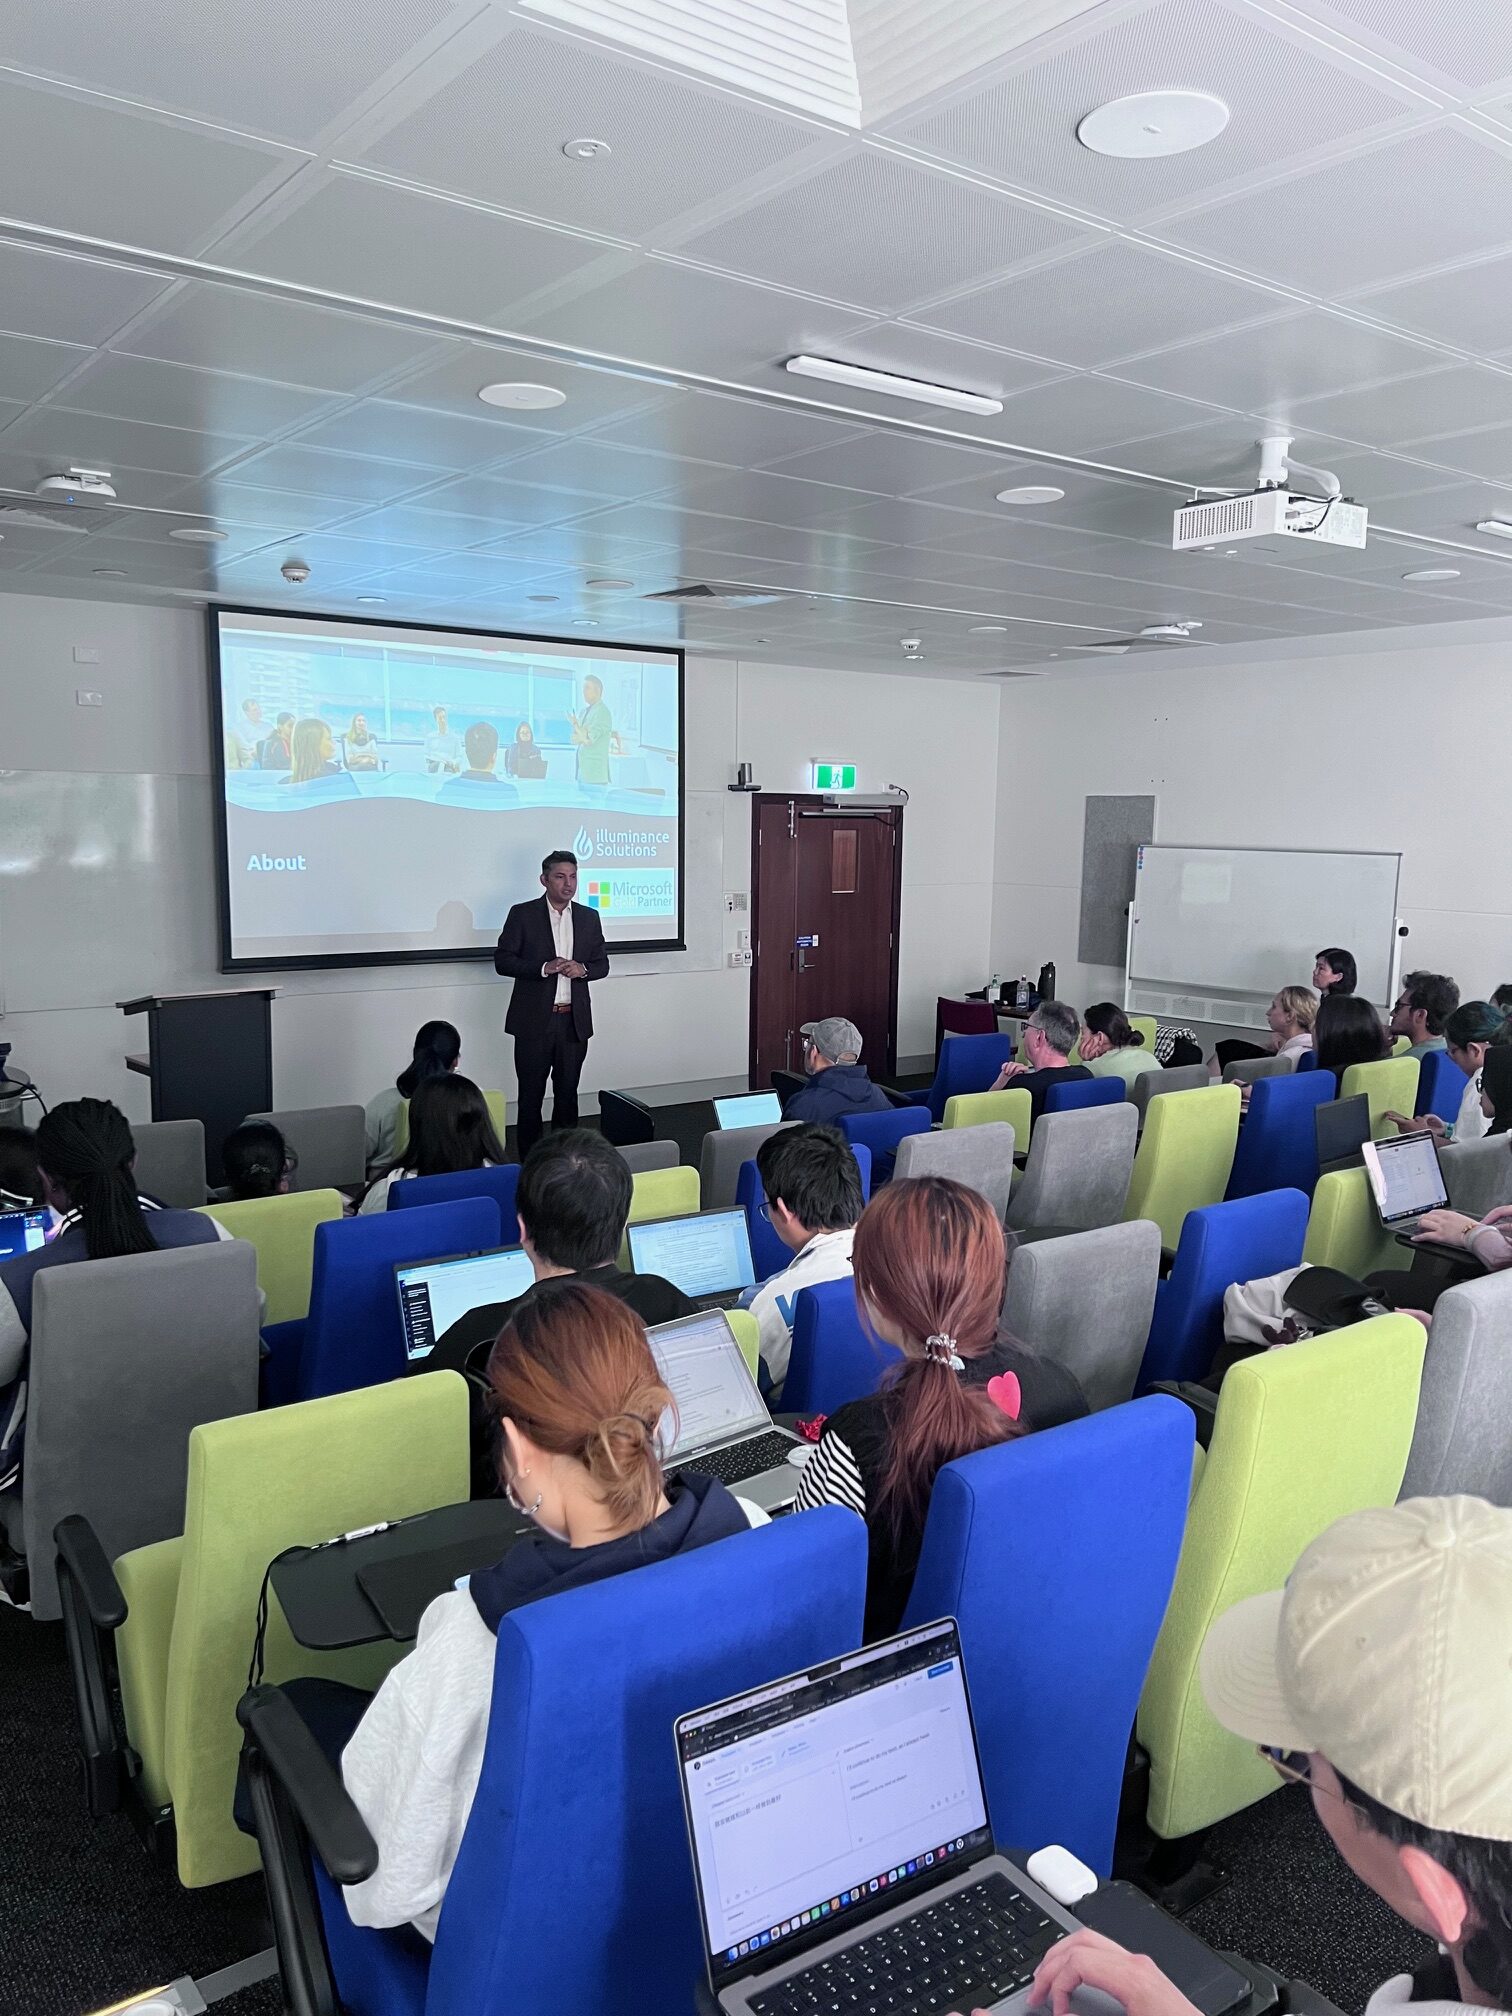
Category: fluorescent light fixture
<point>1433,574</point>
<point>373,601</point>
<point>988,630</point>
<point>1499,528</point>
<point>893,387</point>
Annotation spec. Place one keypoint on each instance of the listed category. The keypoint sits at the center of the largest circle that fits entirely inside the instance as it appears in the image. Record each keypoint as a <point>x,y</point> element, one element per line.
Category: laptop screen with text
<point>1405,1178</point>
<point>705,1253</point>
<point>434,1294</point>
<point>716,1396</point>
<point>22,1232</point>
<point>748,1109</point>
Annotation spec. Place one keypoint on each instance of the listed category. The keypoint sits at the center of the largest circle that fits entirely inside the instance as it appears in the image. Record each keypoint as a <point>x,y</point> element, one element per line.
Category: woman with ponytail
<point>85,1162</point>
<point>929,1258</point>
<point>437,1049</point>
<point>451,1130</point>
<point>580,1405</point>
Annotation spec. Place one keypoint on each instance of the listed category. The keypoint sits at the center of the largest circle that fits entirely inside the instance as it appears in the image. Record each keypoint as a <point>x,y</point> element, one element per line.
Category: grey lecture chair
<point>1461,1443</point>
<point>330,1141</point>
<point>1171,1078</point>
<point>1086,1301</point>
<point>649,1154</point>
<point>1077,1174</point>
<point>721,1156</point>
<point>126,1357</point>
<point>1478,1174</point>
<point>980,1157</point>
<point>1245,1070</point>
<point>170,1161</point>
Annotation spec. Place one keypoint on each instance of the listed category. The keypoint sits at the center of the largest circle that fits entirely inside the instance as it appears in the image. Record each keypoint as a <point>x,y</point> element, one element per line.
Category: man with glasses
<point>813,1199</point>
<point>1381,1678</point>
<point>1049,1037</point>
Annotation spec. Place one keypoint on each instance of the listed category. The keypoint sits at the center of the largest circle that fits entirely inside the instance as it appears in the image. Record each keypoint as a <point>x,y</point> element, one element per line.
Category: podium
<point>209,1057</point>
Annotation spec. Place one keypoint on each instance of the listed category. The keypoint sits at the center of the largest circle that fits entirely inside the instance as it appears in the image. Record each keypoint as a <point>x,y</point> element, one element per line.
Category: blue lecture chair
<point>965,1064</point>
<point>834,1358</point>
<point>768,1253</point>
<point>1441,1086</point>
<point>1076,1093</point>
<point>352,1336</point>
<point>1056,1554</point>
<point>1240,1240</point>
<point>500,1184</point>
<point>1307,1061</point>
<point>881,1132</point>
<point>579,1796</point>
<point>1278,1141</point>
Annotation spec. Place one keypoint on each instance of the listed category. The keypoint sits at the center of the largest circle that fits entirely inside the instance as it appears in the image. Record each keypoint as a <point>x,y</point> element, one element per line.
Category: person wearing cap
<point>1380,1678</point>
<point>837,1080</point>
<point>813,1199</point>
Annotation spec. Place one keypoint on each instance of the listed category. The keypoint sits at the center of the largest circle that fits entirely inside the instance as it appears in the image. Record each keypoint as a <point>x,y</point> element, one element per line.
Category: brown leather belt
<point>561,1007</point>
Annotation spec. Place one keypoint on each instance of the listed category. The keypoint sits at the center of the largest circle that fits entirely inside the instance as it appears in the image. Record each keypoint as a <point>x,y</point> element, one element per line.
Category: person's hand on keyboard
<point>1087,1960</point>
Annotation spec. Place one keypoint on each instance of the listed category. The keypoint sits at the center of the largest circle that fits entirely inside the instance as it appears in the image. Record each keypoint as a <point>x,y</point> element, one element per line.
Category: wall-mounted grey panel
<point>1113,830</point>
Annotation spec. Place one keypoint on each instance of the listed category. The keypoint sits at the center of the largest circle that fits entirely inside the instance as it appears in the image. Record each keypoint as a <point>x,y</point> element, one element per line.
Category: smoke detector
<point>79,486</point>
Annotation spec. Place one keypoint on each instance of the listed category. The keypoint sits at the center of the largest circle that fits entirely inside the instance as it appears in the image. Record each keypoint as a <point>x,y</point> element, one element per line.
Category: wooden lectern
<point>209,1057</point>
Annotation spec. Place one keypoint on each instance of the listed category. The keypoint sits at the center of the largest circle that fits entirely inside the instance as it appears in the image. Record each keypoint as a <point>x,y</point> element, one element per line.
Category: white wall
<point>1402,750</point>
<point>107,866</point>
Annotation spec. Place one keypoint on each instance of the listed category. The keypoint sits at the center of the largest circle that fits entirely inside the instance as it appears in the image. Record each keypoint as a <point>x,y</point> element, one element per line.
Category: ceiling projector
<point>1272,509</point>
<point>79,486</point>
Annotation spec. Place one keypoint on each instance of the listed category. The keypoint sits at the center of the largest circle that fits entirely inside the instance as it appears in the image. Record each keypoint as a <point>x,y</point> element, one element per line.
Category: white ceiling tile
<point>174,395</point>
<point>1450,513</point>
<point>702,426</point>
<point>425,530</point>
<point>1419,201</point>
<point>382,243</point>
<point>29,368</point>
<point>586,542</point>
<point>817,234</point>
<point>905,522</point>
<point>1111,302</point>
<point>245,504</point>
<point>454,375</point>
<point>586,464</point>
<point>780,500</point>
<point>1469,41</point>
<point>63,163</point>
<point>1447,401</point>
<point>411,434</point>
<point>331,51</point>
<point>1084,492</point>
<point>69,300</point>
<point>496,133</point>
<point>1221,451</point>
<point>1077,414</point>
<point>1381,480</point>
<point>1266,369</point>
<point>66,439</point>
<point>1022,128</point>
<point>893,465</point>
<point>1467,306</point>
<point>1485,451</point>
<point>259,335</point>
<point>514,506</point>
<point>292,466</point>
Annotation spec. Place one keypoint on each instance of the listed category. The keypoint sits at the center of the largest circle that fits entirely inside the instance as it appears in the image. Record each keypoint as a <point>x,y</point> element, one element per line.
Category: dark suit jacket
<point>526,945</point>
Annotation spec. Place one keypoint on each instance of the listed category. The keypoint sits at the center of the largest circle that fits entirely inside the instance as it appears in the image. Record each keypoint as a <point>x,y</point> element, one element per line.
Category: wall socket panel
<point>83,697</point>
<point>743,958</point>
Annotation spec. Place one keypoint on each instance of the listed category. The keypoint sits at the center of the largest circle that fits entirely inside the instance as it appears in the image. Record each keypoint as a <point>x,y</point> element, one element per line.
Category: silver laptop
<point>837,1815</point>
<point>748,1109</point>
<point>723,1427</point>
<point>1405,1179</point>
<point>705,1253</point>
<point>434,1294</point>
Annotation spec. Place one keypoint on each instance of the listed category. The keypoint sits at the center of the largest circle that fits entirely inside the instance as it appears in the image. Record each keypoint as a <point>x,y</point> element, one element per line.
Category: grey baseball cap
<point>834,1038</point>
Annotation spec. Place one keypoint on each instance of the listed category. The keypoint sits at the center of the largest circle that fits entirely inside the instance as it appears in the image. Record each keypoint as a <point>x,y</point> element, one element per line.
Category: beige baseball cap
<point>1389,1652</point>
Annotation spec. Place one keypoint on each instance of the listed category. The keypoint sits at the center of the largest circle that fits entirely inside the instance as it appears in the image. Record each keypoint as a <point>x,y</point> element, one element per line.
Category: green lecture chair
<point>1390,1086</point>
<point>1302,1436</point>
<point>660,1193</point>
<point>975,1109</point>
<point>258,1484</point>
<point>1184,1157</point>
<point>1344,1229</point>
<point>748,1337</point>
<point>282,1229</point>
<point>1401,1046</point>
<point>1148,1027</point>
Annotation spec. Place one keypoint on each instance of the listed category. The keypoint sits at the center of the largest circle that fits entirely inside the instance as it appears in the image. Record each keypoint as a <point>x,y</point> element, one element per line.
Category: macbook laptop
<point>723,1427</point>
<point>1343,1128</point>
<point>748,1109</point>
<point>1405,1179</point>
<point>840,1836</point>
<point>434,1294</point>
<point>22,1232</point>
<point>705,1253</point>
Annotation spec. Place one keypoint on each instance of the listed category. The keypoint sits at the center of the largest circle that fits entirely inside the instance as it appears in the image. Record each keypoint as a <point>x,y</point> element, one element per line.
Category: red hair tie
<point>1005,1394</point>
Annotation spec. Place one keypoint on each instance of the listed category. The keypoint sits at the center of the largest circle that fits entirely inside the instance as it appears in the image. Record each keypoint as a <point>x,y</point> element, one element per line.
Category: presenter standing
<point>593,732</point>
<point>551,948</point>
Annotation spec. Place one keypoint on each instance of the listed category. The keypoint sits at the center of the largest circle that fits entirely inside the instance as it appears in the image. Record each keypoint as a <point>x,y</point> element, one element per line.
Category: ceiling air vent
<point>715,595</point>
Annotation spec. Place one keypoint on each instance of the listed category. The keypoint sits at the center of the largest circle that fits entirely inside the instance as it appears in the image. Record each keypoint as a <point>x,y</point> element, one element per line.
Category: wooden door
<point>825,929</point>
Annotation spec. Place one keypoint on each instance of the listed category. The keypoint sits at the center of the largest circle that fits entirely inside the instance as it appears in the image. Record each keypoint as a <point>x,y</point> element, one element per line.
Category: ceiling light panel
<point>887,385</point>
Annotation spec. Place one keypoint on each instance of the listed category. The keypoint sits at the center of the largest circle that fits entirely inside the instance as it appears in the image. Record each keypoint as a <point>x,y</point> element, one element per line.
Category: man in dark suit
<point>551,948</point>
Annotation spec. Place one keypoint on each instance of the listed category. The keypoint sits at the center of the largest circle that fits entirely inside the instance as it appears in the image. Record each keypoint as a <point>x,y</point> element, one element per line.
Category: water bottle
<point>1046,987</point>
<point>1021,992</point>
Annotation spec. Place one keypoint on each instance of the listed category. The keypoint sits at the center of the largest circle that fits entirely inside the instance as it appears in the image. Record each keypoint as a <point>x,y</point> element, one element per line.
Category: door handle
<point>803,960</point>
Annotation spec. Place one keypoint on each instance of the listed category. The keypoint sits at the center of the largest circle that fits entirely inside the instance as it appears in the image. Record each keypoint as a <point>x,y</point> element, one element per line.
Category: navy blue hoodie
<point>838,1089</point>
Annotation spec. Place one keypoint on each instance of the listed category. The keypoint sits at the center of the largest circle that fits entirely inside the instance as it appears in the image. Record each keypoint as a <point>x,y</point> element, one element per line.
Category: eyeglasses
<point>1295,1767</point>
<point>764,1211</point>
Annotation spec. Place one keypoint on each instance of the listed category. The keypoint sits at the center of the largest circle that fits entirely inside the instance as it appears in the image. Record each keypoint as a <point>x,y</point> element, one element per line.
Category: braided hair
<point>85,1148</point>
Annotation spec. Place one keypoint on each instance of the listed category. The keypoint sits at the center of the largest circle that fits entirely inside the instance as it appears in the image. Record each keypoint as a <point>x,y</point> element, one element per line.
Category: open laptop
<point>705,1253</point>
<point>839,1829</point>
<point>22,1232</point>
<point>723,1427</point>
<point>748,1109</point>
<point>1405,1180</point>
<point>1343,1128</point>
<point>434,1294</point>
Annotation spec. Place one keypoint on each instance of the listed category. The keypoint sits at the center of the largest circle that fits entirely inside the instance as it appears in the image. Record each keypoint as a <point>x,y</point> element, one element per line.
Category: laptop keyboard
<point>970,1950</point>
<point>743,1459</point>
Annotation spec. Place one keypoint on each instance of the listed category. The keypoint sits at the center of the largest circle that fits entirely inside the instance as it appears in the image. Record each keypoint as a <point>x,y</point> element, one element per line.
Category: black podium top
<point>145,1001</point>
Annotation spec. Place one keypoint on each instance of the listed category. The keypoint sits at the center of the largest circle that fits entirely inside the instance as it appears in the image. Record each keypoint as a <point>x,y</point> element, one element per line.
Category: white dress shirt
<point>561,937</point>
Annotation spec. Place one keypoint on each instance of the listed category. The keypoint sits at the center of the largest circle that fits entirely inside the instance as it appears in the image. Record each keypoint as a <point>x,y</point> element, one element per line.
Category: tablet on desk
<point>1122,1913</point>
<point>402,1586</point>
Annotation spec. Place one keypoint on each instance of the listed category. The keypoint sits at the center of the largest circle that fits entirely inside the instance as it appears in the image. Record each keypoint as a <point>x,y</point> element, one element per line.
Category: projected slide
<point>388,791</point>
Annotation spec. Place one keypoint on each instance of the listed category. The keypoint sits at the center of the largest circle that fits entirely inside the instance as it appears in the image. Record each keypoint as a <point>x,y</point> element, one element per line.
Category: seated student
<point>928,1260</point>
<point>1049,1037</point>
<point>481,743</point>
<point>1111,1047</point>
<point>451,1129</point>
<point>1378,1679</point>
<point>1334,971</point>
<point>579,1401</point>
<point>837,1079</point>
<point>1469,1036</point>
<point>20,1180</point>
<point>361,751</point>
<point>258,1162</point>
<point>275,752</point>
<point>1502,998</point>
<point>1292,1017</point>
<point>1348,1031</point>
<point>522,758</point>
<point>1488,1239</point>
<point>85,1157</point>
<point>437,1048</point>
<point>813,1199</point>
<point>1426,1002</point>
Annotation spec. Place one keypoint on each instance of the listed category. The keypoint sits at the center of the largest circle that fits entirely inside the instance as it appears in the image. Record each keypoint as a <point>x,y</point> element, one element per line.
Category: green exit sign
<point>834,776</point>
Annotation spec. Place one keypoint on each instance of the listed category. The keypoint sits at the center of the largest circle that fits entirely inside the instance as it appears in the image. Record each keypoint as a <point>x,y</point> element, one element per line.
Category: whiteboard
<point>1249,920</point>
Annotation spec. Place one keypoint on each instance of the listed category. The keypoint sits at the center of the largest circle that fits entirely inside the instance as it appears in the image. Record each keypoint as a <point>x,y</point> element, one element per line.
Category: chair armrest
<point>310,1783</point>
<point>1201,1399</point>
<point>1300,1999</point>
<point>905,1098</point>
<point>92,1606</point>
<point>80,1552</point>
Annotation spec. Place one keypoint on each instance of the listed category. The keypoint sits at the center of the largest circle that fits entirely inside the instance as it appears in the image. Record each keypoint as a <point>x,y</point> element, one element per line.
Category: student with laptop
<point>837,1079</point>
<point>580,1403</point>
<point>20,1182</point>
<point>813,1199</point>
